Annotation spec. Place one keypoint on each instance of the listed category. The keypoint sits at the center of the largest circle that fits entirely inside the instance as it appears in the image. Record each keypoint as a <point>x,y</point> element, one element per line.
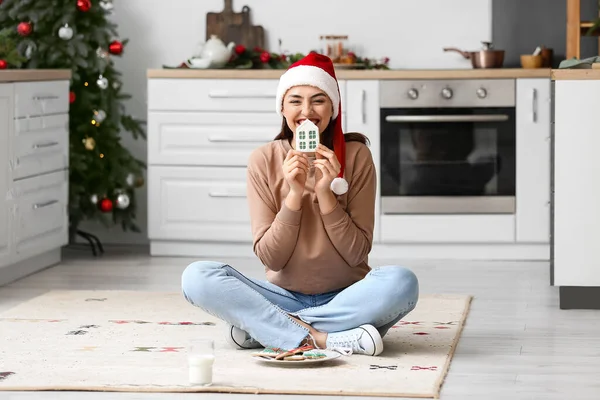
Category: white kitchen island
<point>203,124</point>
<point>576,187</point>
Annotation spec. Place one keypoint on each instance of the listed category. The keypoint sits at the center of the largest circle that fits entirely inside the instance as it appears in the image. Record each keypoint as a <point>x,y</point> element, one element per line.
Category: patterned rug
<point>136,342</point>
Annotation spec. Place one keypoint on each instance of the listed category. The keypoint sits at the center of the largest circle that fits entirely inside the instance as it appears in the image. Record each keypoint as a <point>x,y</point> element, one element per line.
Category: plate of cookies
<point>303,355</point>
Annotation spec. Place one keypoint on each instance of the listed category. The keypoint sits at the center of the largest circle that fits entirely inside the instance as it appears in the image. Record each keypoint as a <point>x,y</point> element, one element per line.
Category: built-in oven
<point>448,146</point>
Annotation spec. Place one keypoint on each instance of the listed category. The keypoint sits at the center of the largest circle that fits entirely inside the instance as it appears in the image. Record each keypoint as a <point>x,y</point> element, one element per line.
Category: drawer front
<point>41,213</point>
<point>198,203</point>
<point>447,228</point>
<point>41,145</point>
<point>216,94</point>
<point>212,94</point>
<point>211,139</point>
<point>41,98</point>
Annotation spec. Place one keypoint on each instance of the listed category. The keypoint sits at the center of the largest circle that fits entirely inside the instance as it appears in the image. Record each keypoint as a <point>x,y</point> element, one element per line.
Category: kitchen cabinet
<point>576,190</point>
<point>6,131</point>
<point>34,157</point>
<point>533,161</point>
<point>362,105</point>
<point>200,135</point>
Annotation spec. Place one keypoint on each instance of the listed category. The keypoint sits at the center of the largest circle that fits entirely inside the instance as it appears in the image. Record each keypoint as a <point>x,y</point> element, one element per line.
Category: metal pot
<point>485,58</point>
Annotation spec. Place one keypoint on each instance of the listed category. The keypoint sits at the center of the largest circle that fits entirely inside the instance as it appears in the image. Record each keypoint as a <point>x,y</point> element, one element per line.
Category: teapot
<point>214,54</point>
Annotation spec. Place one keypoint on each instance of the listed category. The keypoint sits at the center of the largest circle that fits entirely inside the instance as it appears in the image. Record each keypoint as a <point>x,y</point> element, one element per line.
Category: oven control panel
<point>448,93</point>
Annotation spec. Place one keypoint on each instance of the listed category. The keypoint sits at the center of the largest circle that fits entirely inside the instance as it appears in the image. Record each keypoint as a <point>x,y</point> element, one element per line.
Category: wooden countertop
<point>23,75</point>
<point>576,74</point>
<point>184,73</point>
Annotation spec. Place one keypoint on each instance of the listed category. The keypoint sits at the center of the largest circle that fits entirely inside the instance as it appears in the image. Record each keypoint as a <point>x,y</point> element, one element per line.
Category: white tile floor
<point>517,343</point>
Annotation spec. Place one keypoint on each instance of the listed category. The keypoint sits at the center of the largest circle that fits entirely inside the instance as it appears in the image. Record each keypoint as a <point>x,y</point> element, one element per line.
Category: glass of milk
<point>201,357</point>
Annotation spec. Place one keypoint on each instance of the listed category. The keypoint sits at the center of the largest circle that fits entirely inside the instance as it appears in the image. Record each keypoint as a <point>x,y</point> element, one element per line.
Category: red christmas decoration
<point>106,205</point>
<point>72,97</point>
<point>84,5</point>
<point>24,28</point>
<point>3,63</point>
<point>265,56</point>
<point>239,49</point>
<point>115,47</point>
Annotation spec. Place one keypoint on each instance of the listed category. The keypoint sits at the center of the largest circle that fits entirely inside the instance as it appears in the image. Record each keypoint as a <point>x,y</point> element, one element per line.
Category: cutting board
<point>247,34</point>
<point>230,26</point>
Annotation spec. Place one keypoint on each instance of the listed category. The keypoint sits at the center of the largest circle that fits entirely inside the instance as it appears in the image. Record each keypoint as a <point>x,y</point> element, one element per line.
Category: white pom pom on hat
<point>317,70</point>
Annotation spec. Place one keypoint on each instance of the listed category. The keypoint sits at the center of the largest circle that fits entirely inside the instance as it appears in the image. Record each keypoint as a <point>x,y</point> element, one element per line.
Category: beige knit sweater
<point>306,251</point>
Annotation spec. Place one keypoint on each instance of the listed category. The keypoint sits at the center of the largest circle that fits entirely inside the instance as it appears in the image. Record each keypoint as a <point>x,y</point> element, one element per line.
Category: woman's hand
<point>295,171</point>
<point>329,166</point>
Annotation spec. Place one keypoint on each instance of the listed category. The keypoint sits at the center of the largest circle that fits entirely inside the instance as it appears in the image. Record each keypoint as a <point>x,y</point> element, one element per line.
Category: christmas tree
<point>78,35</point>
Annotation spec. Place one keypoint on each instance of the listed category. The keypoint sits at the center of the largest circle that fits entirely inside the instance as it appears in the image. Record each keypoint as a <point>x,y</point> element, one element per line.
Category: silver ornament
<point>94,199</point>
<point>28,51</point>
<point>130,179</point>
<point>122,201</point>
<point>102,82</point>
<point>106,5</point>
<point>65,32</point>
<point>101,53</point>
<point>99,116</point>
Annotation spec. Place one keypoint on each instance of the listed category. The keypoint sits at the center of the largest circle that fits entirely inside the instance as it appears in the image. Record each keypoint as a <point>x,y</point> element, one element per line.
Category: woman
<point>313,230</point>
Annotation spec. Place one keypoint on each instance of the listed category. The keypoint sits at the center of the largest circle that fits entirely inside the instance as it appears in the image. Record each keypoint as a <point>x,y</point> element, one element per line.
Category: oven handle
<point>447,118</point>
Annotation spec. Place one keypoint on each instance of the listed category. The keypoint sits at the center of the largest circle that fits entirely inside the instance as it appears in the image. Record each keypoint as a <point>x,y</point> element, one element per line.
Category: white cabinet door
<point>576,183</point>
<point>6,131</point>
<point>362,116</point>
<point>198,204</point>
<point>41,219</point>
<point>533,160</point>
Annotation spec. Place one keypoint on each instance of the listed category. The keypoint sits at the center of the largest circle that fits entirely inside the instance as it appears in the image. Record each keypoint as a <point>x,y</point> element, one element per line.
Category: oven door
<point>448,160</point>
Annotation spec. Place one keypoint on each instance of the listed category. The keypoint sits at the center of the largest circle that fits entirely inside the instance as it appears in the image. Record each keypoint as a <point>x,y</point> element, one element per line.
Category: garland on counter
<point>257,58</point>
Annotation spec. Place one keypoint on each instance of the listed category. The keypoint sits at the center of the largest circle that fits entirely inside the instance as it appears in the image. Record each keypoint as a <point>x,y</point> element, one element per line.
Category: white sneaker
<point>362,340</point>
<point>241,339</point>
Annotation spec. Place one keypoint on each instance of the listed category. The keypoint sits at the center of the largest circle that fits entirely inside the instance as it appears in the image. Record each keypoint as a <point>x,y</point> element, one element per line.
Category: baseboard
<point>23,268</point>
<point>499,252</point>
<point>579,297</point>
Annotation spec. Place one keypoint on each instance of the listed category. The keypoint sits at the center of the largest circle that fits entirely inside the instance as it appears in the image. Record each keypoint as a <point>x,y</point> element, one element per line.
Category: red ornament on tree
<point>3,63</point>
<point>115,47</point>
<point>24,28</point>
<point>84,5</point>
<point>72,97</point>
<point>106,205</point>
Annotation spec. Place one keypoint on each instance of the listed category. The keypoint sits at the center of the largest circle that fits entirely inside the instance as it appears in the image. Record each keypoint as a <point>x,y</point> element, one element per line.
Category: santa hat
<point>317,70</point>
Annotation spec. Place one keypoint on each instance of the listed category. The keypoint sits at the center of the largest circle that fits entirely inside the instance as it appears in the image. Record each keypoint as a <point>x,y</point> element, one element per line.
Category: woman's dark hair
<point>326,135</point>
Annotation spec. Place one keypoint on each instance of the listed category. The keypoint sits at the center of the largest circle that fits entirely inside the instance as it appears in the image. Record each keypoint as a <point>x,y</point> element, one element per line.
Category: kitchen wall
<point>519,26</point>
<point>412,34</point>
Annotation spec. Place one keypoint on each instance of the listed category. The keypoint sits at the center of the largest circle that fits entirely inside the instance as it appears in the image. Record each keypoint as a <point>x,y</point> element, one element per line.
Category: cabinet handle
<point>46,204</point>
<point>40,98</point>
<point>224,139</point>
<point>42,145</point>
<point>228,95</point>
<point>447,118</point>
<point>226,194</point>
<point>363,106</point>
<point>534,105</point>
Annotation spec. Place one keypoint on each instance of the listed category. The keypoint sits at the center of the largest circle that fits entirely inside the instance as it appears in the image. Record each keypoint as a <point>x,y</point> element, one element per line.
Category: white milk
<point>201,368</point>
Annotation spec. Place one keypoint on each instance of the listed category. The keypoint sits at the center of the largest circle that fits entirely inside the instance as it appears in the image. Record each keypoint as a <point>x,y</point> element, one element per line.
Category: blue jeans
<point>262,309</point>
